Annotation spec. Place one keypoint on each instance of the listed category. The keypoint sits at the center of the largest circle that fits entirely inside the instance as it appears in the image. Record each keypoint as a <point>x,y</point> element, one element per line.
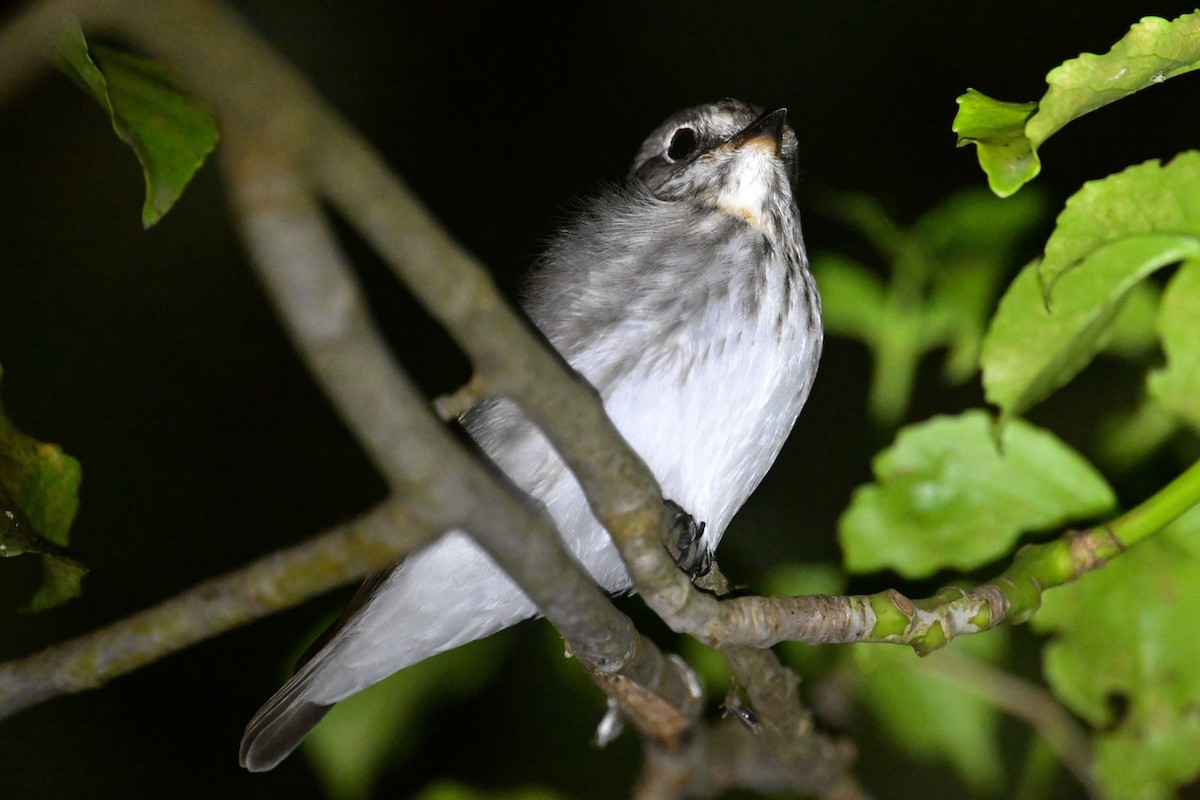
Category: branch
<point>252,88</point>
<point>281,580</point>
<point>931,623</point>
<point>281,141</point>
<point>275,127</point>
<point>311,282</point>
<point>779,751</point>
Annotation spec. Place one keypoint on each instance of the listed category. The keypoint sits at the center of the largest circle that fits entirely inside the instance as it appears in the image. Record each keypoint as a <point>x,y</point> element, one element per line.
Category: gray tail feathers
<point>281,724</point>
<point>284,720</point>
<point>444,596</point>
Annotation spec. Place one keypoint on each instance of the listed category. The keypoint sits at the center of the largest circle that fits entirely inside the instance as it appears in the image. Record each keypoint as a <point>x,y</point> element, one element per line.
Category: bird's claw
<point>687,544</point>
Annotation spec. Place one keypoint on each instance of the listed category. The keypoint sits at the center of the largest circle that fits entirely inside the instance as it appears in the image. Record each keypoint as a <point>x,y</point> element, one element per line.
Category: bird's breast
<point>709,406</point>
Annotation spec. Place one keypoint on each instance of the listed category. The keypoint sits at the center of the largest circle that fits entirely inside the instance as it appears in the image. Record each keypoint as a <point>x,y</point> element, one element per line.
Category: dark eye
<point>683,144</point>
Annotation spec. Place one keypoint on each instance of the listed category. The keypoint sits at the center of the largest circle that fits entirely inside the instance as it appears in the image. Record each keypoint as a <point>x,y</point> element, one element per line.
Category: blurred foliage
<point>958,492</point>
<point>944,275</point>
<point>369,732</point>
<point>1176,387</point>
<point>932,718</point>
<point>39,496</point>
<point>1124,656</point>
<point>450,790</point>
<point>1129,436</point>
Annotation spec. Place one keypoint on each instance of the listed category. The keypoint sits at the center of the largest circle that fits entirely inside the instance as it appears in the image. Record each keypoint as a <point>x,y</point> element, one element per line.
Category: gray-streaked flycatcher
<point>684,297</point>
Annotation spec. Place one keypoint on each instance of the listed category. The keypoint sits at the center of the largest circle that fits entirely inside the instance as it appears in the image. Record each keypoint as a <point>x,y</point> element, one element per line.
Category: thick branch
<point>259,100</point>
<point>252,88</point>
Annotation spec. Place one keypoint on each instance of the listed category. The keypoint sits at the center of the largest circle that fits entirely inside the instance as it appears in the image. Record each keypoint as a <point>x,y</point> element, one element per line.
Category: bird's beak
<point>765,132</point>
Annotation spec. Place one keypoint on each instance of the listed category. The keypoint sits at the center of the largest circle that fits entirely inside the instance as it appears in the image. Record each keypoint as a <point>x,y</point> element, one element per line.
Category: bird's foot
<point>687,544</point>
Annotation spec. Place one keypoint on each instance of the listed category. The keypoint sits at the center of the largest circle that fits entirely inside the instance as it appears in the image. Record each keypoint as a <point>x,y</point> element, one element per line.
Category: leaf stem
<point>1160,509</point>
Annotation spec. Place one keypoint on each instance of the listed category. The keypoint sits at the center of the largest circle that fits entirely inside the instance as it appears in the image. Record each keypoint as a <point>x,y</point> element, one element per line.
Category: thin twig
<point>280,580</point>
<point>1036,706</point>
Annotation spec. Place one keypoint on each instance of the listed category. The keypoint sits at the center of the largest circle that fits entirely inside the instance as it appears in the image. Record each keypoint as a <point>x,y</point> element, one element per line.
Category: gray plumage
<point>684,297</point>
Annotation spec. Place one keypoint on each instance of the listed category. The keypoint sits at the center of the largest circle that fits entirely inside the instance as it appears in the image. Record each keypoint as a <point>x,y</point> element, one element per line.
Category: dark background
<point>154,359</point>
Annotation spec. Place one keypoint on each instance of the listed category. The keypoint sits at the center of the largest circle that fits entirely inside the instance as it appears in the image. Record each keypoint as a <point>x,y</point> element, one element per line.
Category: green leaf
<point>1153,51</point>
<point>39,496</point>
<point>74,60</point>
<point>369,731</point>
<point>62,579</point>
<point>997,129</point>
<point>1008,135</point>
<point>1113,233</point>
<point>945,497</point>
<point>1149,199</point>
<point>1033,349</point>
<point>1123,657</point>
<point>1176,387</point>
<point>170,131</point>
<point>931,717</point>
<point>450,790</point>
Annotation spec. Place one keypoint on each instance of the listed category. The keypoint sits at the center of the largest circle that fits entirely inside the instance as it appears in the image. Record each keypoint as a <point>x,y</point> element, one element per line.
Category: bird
<point>683,295</point>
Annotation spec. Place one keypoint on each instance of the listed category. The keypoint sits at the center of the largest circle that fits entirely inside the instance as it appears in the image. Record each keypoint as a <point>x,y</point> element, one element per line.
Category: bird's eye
<point>683,144</point>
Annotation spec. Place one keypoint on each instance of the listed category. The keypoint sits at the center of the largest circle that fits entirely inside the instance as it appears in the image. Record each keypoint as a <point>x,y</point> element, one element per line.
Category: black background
<point>154,358</point>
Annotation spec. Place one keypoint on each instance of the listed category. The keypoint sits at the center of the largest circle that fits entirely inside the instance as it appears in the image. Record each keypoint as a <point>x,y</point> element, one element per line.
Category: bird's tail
<point>281,724</point>
<point>440,598</point>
